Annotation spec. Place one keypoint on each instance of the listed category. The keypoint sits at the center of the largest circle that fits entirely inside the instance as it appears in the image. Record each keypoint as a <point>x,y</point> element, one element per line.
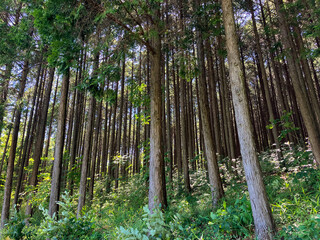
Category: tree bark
<point>59,145</point>
<point>261,211</point>
<point>156,184</point>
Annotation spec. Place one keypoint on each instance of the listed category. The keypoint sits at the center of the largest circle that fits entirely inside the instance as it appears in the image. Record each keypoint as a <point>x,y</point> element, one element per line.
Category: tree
<point>261,211</point>
<point>210,150</point>
<point>157,190</point>
<point>58,153</point>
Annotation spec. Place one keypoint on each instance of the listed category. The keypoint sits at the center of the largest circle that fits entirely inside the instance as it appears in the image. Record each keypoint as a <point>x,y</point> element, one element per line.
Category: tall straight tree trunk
<point>184,136</point>
<point>59,145</point>
<point>120,120</point>
<point>214,103</point>
<point>87,156</point>
<point>104,139</point>
<point>210,150</point>
<point>95,150</point>
<point>13,148</point>
<point>76,125</point>
<point>168,108</point>
<point>264,224</point>
<point>136,165</point>
<point>157,194</point>
<point>113,138</point>
<point>177,147</point>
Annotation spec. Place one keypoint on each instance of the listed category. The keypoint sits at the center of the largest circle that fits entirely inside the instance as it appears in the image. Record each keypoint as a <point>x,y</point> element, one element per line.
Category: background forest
<point>160,119</point>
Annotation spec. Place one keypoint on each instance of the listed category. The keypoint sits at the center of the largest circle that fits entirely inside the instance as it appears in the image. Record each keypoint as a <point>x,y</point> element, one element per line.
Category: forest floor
<point>293,191</point>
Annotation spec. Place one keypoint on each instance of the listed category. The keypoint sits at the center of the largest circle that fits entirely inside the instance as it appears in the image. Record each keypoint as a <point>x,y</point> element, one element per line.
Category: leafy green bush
<point>68,226</point>
<point>233,220</point>
<point>153,227</point>
<point>14,228</point>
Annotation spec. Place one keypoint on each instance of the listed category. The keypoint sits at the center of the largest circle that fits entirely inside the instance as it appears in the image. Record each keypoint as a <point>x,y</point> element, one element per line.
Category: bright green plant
<point>68,226</point>
<point>233,220</point>
<point>153,226</point>
<point>13,229</point>
<point>285,123</point>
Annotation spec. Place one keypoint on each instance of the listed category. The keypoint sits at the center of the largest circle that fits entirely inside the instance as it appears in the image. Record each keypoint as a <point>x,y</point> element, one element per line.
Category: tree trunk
<point>210,151</point>
<point>58,153</point>
<point>156,184</point>
<point>263,220</point>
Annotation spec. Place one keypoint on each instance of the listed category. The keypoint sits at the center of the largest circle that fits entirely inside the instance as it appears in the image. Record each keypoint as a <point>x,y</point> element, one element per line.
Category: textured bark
<point>213,97</point>
<point>261,211</point>
<point>157,195</point>
<point>168,106</point>
<point>59,145</point>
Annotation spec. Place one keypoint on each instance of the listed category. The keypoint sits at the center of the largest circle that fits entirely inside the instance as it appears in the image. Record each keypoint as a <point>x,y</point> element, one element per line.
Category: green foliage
<point>13,229</point>
<point>68,226</point>
<point>62,25</point>
<point>138,93</point>
<point>154,227</point>
<point>308,229</point>
<point>122,214</point>
<point>16,41</point>
<point>234,220</point>
<point>285,123</point>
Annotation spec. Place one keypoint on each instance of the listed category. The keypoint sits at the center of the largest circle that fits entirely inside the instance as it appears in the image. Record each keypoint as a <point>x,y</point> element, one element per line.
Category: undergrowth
<point>293,191</point>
